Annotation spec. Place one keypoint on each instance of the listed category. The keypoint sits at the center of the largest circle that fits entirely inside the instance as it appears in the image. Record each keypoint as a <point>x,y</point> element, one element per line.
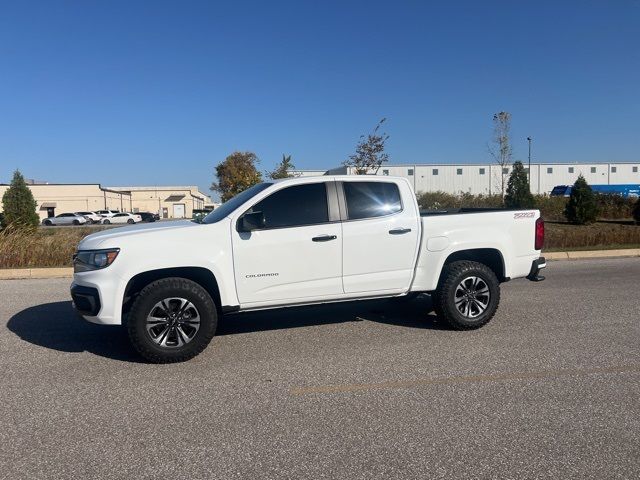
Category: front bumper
<point>536,266</point>
<point>97,296</point>
<point>86,300</point>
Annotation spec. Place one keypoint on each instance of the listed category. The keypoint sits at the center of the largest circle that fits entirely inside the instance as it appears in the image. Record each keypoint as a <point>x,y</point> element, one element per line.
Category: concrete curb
<point>22,273</point>
<point>67,272</point>
<point>578,255</point>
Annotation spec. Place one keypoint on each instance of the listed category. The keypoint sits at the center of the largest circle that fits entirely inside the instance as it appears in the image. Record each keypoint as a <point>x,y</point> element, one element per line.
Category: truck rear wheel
<point>172,320</point>
<point>467,296</point>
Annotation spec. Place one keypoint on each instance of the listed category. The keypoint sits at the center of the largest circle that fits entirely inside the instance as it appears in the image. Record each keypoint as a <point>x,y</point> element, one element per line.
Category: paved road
<point>549,389</point>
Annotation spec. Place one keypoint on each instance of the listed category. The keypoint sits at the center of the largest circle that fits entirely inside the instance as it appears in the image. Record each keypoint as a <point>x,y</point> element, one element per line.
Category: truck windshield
<point>229,206</point>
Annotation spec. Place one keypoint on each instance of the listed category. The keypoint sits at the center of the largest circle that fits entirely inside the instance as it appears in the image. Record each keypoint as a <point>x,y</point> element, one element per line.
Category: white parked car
<point>65,219</point>
<point>107,213</point>
<point>92,217</point>
<point>123,218</point>
<point>305,240</point>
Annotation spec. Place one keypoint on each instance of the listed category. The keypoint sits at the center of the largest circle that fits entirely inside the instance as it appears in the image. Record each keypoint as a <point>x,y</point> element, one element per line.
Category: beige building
<point>55,198</point>
<point>168,202</point>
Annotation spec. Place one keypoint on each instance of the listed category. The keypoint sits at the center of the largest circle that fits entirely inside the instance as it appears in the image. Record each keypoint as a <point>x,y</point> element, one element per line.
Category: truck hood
<point>148,232</point>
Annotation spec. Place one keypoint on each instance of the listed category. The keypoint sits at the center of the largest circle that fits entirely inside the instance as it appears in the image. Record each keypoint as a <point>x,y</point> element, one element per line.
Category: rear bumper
<point>536,266</point>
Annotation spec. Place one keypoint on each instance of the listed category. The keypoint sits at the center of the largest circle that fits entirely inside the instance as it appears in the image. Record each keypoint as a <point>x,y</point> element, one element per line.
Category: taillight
<point>539,234</point>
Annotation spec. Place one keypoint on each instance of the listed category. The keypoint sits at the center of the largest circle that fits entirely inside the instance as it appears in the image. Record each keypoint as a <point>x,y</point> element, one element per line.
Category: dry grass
<point>40,247</point>
<point>600,235</point>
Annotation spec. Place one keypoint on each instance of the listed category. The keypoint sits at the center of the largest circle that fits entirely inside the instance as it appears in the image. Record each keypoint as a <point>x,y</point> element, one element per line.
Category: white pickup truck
<point>300,241</point>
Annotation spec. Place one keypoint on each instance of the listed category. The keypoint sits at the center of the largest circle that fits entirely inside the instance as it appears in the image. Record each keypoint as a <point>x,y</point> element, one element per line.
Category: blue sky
<point>145,93</point>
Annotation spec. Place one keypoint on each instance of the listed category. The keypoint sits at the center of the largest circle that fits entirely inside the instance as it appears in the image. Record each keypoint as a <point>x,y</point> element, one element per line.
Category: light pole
<point>529,172</point>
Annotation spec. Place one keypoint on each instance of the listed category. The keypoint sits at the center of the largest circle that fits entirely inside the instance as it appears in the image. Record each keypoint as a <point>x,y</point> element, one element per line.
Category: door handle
<point>399,231</point>
<point>324,238</point>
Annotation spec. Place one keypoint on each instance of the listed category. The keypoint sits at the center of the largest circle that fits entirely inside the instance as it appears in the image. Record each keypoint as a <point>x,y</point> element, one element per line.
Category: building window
<point>459,171</point>
<point>505,171</point>
<point>635,169</point>
<point>435,171</point>
<point>570,169</point>
<point>549,170</point>
<point>385,172</point>
<point>482,171</point>
<point>410,172</point>
<point>614,169</point>
<point>593,169</point>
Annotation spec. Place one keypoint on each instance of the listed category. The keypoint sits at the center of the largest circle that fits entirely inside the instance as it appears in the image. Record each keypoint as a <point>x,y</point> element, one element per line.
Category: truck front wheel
<point>172,320</point>
<point>468,295</point>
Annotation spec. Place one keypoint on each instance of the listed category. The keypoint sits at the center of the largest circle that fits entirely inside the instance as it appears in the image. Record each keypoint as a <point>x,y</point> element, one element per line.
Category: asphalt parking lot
<point>549,389</point>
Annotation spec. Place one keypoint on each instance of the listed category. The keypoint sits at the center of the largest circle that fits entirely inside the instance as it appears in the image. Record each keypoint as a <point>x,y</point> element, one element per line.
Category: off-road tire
<point>444,297</point>
<point>160,290</point>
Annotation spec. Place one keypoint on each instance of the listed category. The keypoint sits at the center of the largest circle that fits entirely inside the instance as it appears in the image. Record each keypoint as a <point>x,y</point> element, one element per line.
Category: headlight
<point>87,260</point>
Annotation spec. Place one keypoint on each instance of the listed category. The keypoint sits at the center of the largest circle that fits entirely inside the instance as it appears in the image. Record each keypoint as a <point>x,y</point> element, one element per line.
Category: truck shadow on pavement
<point>411,314</point>
<point>57,326</point>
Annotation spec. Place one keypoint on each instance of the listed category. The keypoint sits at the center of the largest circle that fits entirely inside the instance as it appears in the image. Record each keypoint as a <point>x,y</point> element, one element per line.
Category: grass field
<point>54,247</point>
<point>606,234</point>
<point>40,247</point>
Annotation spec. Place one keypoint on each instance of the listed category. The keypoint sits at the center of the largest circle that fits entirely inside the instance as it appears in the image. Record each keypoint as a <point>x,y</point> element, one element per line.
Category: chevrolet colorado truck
<point>300,241</point>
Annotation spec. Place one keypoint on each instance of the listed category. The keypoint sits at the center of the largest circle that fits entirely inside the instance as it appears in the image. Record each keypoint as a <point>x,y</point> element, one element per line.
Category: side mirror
<point>251,221</point>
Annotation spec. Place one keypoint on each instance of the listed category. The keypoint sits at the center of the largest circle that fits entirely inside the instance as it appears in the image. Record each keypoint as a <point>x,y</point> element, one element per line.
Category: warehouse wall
<point>75,198</point>
<point>486,178</point>
<point>168,202</point>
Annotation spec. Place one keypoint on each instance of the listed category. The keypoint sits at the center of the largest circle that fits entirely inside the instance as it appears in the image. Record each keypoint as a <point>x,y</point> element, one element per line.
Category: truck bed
<point>508,233</point>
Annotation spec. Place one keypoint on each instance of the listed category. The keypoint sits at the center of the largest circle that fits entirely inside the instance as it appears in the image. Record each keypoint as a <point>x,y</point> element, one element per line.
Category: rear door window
<point>371,199</point>
<point>295,206</point>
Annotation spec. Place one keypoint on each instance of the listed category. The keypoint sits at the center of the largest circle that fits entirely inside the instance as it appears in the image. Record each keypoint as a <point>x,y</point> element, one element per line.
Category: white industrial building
<point>486,177</point>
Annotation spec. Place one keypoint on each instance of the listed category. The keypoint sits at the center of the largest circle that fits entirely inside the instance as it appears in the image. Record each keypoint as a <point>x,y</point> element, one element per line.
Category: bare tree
<point>370,152</point>
<point>501,148</point>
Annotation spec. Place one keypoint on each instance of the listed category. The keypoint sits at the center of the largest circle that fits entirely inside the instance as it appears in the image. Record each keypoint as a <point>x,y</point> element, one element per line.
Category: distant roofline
<point>159,187</point>
<point>524,162</point>
<point>164,188</point>
<point>475,164</point>
<point>53,184</point>
<point>104,189</point>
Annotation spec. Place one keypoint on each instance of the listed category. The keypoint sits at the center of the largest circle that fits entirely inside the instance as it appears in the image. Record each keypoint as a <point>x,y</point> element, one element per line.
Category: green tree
<point>518,193</point>
<point>636,212</point>
<point>370,152</point>
<point>582,207</point>
<point>283,169</point>
<point>18,205</point>
<point>237,173</point>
